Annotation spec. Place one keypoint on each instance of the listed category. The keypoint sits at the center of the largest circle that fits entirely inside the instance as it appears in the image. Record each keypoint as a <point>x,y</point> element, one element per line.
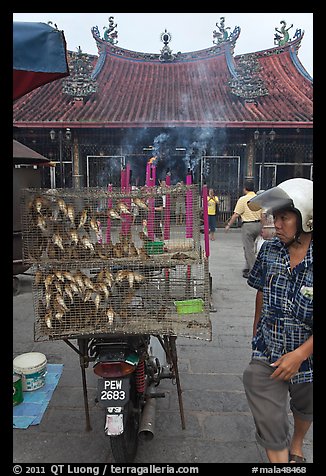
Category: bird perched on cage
<point>38,277</point>
<point>75,289</point>
<point>104,250</point>
<point>67,275</point>
<point>94,225</point>
<point>120,276</point>
<point>88,283</point>
<point>140,203</point>
<point>133,251</point>
<point>87,295</point>
<point>78,277</point>
<point>113,214</point>
<point>48,281</point>
<point>71,214</point>
<point>117,250</point>
<point>142,253</point>
<point>87,244</point>
<point>62,206</point>
<point>122,208</point>
<point>68,292</point>
<point>59,299</point>
<point>58,287</point>
<point>182,256</point>
<point>59,275</point>
<point>73,236</point>
<point>48,318</point>
<point>106,277</point>
<point>42,205</point>
<point>59,311</point>
<point>96,299</point>
<point>82,217</point>
<point>144,237</point>
<point>102,288</point>
<point>110,315</point>
<point>57,240</point>
<point>139,278</point>
<point>42,224</point>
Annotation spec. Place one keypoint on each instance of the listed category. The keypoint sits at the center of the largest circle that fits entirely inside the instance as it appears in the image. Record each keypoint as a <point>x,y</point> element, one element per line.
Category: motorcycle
<point>129,369</point>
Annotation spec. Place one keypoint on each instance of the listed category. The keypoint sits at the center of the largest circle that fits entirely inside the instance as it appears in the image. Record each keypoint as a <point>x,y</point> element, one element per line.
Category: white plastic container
<point>32,368</point>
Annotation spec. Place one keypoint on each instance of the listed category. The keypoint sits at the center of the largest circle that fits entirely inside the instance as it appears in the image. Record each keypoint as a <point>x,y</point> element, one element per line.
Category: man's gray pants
<point>250,230</point>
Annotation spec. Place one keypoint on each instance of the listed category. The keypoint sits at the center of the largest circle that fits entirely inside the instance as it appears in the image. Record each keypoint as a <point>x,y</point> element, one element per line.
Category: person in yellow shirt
<point>250,228</point>
<point>212,204</point>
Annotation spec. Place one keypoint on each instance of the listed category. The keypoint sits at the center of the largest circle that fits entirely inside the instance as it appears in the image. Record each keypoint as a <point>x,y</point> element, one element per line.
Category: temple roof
<point>210,87</point>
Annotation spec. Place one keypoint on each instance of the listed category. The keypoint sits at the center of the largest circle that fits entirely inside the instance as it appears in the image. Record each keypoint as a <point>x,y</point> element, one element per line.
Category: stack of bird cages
<point>115,262</point>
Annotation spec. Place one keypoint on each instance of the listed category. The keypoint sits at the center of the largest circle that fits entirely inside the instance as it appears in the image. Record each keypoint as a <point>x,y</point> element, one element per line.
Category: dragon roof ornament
<point>110,32</point>
<point>281,37</point>
<point>222,35</point>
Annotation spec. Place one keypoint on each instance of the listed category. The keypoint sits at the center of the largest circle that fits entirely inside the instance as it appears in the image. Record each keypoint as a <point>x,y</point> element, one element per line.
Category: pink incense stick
<point>167,209</point>
<point>151,201</point>
<point>108,228</point>
<point>189,217</point>
<point>206,227</point>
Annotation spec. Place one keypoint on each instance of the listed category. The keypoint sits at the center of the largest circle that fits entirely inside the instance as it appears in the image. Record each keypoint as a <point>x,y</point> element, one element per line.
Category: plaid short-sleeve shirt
<point>286,319</point>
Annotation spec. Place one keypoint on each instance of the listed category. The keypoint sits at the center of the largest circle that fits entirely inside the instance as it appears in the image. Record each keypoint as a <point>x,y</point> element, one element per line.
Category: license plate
<point>113,392</point>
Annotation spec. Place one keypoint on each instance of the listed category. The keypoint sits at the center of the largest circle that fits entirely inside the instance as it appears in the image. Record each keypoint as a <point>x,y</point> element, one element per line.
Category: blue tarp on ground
<point>31,410</point>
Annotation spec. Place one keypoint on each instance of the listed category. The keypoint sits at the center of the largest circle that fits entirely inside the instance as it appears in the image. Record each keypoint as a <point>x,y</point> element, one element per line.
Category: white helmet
<point>296,194</point>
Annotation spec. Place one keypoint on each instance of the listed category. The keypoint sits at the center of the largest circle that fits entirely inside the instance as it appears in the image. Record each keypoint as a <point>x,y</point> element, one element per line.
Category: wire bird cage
<point>116,262</point>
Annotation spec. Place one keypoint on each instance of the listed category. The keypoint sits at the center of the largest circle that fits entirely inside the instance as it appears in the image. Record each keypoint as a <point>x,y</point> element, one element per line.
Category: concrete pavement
<point>219,425</point>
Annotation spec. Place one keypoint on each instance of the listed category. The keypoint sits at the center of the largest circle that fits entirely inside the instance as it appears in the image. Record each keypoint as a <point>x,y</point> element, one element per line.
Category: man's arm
<point>288,365</point>
<point>258,308</point>
<point>231,221</point>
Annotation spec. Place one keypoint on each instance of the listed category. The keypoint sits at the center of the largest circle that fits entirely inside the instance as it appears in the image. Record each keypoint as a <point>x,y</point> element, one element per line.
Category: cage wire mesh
<point>116,261</point>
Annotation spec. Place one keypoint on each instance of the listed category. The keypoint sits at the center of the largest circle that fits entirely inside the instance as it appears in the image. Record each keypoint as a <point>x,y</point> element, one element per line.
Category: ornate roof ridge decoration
<point>294,43</point>
<point>247,84</point>
<point>80,84</point>
<point>281,37</point>
<point>222,36</point>
<point>166,52</point>
<point>105,46</point>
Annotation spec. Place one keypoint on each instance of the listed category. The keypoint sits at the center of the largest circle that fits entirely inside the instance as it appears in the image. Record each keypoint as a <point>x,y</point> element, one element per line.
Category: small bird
<point>38,277</point>
<point>83,218</point>
<point>68,291</point>
<point>101,287</point>
<point>113,214</point>
<point>110,314</point>
<point>87,244</point>
<point>122,208</point>
<point>94,225</point>
<point>143,255</point>
<point>48,319</point>
<point>73,235</point>
<point>41,223</point>
<point>62,206</point>
<point>140,203</point>
<point>59,299</point>
<point>71,214</point>
<point>57,240</point>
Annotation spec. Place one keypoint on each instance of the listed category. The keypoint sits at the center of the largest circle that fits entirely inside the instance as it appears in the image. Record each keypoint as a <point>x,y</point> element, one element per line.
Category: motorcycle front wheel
<point>124,446</point>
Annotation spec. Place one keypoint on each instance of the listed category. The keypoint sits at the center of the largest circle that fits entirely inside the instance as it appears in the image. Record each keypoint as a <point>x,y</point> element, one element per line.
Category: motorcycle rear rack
<point>168,343</point>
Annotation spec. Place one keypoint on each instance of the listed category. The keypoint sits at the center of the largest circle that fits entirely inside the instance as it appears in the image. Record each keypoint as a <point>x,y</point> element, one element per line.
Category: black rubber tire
<point>124,447</point>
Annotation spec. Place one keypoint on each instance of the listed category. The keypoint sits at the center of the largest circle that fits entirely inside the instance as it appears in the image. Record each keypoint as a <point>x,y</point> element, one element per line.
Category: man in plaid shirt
<point>283,326</point>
